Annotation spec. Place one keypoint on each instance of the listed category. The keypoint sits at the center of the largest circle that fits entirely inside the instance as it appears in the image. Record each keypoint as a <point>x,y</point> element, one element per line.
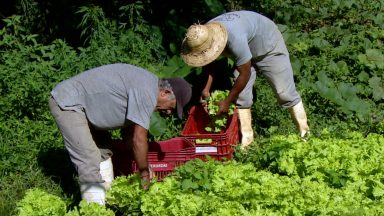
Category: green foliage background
<point>336,50</point>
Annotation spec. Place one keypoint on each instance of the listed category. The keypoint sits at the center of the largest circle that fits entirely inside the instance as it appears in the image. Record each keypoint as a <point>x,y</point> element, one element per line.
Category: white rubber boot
<point>93,192</point>
<point>106,172</point>
<point>245,118</point>
<point>300,119</point>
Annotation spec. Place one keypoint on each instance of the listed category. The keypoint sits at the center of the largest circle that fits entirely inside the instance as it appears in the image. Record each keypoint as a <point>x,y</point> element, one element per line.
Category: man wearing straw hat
<point>254,43</point>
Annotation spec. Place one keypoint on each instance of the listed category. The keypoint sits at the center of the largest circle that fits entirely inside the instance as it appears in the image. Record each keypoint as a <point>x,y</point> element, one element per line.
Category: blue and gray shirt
<point>111,95</point>
<point>250,35</point>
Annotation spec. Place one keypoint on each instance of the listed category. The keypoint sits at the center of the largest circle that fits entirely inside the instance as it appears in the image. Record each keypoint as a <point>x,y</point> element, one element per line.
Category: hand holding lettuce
<point>218,122</point>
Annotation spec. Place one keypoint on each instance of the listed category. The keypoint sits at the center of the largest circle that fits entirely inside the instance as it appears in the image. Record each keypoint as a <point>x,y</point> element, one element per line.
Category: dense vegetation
<point>336,50</point>
<point>284,176</point>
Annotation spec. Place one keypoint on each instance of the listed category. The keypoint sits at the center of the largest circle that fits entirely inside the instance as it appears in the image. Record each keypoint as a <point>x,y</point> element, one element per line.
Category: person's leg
<point>245,99</point>
<point>277,68</point>
<point>82,150</point>
<point>278,71</point>
<point>244,103</point>
<point>103,141</point>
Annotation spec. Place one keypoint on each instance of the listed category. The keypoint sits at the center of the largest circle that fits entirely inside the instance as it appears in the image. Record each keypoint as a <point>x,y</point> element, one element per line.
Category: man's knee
<point>287,99</point>
<point>244,103</point>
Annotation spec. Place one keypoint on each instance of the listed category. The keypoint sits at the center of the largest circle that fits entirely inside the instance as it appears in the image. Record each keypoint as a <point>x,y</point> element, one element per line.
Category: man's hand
<point>203,99</point>
<point>205,94</point>
<point>146,177</point>
<point>223,107</point>
<point>136,136</point>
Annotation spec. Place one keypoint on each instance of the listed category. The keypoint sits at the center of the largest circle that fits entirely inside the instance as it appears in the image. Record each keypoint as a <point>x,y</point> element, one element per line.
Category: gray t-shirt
<point>110,95</point>
<point>250,35</point>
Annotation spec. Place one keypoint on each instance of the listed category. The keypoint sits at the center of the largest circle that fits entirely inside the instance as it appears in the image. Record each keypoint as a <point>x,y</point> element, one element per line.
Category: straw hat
<point>203,43</point>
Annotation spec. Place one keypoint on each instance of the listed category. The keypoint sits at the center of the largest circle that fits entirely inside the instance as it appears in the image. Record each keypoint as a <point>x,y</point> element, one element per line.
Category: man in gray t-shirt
<point>108,97</point>
<point>253,42</point>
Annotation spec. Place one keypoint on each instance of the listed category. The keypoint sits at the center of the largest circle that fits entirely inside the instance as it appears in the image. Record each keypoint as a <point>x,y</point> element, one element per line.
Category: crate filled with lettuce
<point>213,135</point>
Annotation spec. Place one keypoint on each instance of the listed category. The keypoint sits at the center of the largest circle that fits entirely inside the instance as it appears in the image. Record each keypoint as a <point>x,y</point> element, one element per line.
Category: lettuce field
<point>285,176</point>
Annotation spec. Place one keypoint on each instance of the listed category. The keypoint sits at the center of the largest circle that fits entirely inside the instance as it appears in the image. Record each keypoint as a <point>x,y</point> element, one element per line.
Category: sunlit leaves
<point>373,58</point>
<point>326,175</point>
<point>342,94</point>
<point>377,85</point>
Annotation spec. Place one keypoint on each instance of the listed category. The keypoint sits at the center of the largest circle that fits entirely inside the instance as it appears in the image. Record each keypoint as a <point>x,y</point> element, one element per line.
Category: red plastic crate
<point>217,145</point>
<point>220,157</point>
<point>163,157</point>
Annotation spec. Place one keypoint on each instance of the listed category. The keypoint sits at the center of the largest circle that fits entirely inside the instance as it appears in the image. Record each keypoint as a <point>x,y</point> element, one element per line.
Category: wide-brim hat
<point>203,43</point>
